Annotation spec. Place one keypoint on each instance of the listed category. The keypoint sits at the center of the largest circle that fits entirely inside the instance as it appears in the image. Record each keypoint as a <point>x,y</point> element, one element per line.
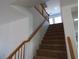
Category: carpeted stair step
<point>51,53</point>
<point>53,47</point>
<point>55,31</point>
<point>44,57</point>
<point>53,42</point>
<point>55,37</point>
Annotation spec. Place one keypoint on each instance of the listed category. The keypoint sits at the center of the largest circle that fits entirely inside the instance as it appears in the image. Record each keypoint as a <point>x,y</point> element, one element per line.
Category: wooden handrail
<point>71,48</point>
<point>22,45</point>
<point>41,11</point>
<point>44,9</point>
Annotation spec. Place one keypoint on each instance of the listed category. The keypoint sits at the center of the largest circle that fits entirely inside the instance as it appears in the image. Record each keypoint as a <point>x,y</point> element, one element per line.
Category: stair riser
<point>53,43</point>
<point>55,31</point>
<point>53,47</point>
<point>55,27</point>
<point>48,58</point>
<point>49,35</point>
<point>61,55</point>
<point>53,38</point>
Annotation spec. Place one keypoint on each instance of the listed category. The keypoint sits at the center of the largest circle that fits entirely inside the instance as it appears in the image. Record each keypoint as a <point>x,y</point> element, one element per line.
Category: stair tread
<point>52,54</point>
<point>52,46</point>
<point>48,50</point>
<point>53,40</point>
<point>44,57</point>
<point>60,40</point>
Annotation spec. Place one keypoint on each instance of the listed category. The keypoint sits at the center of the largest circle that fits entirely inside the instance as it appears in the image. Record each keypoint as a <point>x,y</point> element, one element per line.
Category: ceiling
<point>68,2</point>
<point>28,2</point>
<point>9,14</point>
<point>53,7</point>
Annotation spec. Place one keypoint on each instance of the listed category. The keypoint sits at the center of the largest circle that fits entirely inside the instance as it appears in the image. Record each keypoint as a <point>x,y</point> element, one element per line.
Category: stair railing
<point>19,52</point>
<point>70,48</point>
<point>41,9</point>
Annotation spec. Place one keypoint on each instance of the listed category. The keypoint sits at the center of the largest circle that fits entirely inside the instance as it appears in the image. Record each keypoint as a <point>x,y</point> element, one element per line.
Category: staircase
<point>53,44</point>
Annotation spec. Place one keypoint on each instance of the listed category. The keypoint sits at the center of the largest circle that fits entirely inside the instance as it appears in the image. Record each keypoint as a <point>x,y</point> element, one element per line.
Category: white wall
<point>31,48</point>
<point>76,26</point>
<point>13,33</point>
<point>69,27</point>
<point>75,15</point>
<point>8,14</point>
